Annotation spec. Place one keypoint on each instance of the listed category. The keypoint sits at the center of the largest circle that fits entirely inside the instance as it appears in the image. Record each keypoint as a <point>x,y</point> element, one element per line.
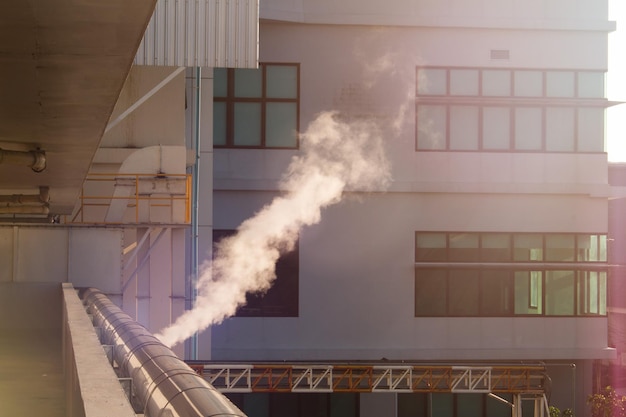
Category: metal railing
<point>133,199</point>
<point>373,378</point>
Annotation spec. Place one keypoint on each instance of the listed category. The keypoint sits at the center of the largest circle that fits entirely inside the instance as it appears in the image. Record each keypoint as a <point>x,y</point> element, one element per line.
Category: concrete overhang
<point>62,66</point>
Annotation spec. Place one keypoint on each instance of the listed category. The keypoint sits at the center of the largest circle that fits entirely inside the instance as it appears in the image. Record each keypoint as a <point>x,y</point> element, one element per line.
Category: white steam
<point>335,156</point>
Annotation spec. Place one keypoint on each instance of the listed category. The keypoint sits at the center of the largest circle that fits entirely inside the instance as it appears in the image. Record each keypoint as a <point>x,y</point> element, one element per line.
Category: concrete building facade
<point>489,244</point>
<point>485,240</point>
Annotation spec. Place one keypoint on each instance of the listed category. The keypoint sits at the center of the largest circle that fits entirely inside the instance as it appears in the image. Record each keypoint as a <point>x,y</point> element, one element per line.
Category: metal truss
<point>373,378</point>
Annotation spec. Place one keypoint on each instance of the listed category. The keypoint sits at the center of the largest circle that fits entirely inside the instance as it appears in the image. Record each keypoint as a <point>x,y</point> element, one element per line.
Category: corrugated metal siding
<point>206,33</point>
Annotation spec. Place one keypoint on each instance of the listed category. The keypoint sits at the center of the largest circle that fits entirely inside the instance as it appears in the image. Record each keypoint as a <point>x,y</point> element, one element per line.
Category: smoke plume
<point>337,155</point>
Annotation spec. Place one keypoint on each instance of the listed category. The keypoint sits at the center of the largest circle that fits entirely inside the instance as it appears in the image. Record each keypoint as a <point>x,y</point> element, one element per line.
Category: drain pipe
<point>193,284</point>
<point>35,160</point>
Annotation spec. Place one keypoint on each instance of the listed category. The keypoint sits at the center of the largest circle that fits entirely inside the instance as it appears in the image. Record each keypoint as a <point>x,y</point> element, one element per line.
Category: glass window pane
<point>430,292</point>
<point>498,408</point>
<point>528,84</point>
<point>469,405</point>
<point>464,82</point>
<point>560,129</point>
<point>219,123</point>
<point>431,81</point>
<point>256,404</point>
<point>495,292</point>
<point>282,81</point>
<point>495,247</point>
<point>313,405</point>
<point>560,248</point>
<point>496,83</point>
<point>344,404</point>
<point>528,292</point>
<point>463,293</point>
<point>559,293</point>
<point>464,247</point>
<point>590,130</point>
<point>463,128</point>
<point>247,124</point>
<point>442,405</point>
<point>412,405</point>
<point>528,247</point>
<point>591,84</point>
<point>528,132</point>
<point>283,405</point>
<point>592,292</point>
<point>560,84</point>
<point>248,82</point>
<point>602,289</point>
<point>220,86</point>
<point>588,292</point>
<point>281,125</point>
<point>591,248</point>
<point>431,127</point>
<point>430,247</point>
<point>496,128</point>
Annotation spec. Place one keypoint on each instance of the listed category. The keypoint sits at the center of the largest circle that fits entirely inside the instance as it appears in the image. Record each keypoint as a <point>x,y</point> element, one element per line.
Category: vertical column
<point>142,281</point>
<point>160,283</point>
<point>200,119</point>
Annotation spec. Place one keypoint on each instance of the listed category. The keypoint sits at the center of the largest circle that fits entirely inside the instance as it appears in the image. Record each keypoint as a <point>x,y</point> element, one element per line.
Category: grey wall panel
<point>95,258</point>
<point>205,33</point>
<point>6,254</point>
<point>41,254</point>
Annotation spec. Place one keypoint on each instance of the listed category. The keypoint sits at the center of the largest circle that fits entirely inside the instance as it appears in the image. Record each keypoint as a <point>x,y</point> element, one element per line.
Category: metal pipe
<point>195,225</point>
<point>163,384</point>
<point>26,209</point>
<point>35,160</point>
<point>14,200</point>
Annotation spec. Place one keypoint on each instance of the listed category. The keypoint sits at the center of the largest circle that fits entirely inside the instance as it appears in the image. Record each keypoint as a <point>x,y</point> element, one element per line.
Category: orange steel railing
<point>101,190</point>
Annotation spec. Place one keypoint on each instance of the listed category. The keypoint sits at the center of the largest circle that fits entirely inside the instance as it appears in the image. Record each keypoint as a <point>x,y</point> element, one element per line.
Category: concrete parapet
<point>92,388</point>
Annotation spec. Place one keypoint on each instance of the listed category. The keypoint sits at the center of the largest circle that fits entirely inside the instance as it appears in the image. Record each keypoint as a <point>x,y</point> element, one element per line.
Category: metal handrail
<point>135,197</point>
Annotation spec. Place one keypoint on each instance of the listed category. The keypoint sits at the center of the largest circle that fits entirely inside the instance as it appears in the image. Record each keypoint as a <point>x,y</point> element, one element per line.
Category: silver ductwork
<point>35,160</point>
<point>163,384</point>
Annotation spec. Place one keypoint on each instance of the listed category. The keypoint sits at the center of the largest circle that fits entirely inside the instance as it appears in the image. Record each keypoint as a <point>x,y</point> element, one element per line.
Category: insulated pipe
<point>26,199</point>
<point>163,384</point>
<point>24,210</point>
<point>35,160</point>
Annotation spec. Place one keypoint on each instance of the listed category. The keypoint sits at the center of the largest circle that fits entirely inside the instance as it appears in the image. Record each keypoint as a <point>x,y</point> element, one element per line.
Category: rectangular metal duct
<point>205,33</point>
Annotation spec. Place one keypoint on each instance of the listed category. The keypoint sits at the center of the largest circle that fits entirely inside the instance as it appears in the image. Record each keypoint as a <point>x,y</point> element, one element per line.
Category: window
<point>444,404</point>
<point>308,404</point>
<point>496,110</point>
<point>474,274</point>
<point>256,108</point>
<point>281,300</point>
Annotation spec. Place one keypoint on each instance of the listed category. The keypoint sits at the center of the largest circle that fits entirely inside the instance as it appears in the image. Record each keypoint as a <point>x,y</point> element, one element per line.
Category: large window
<point>281,300</point>
<point>507,274</point>
<point>475,109</point>
<point>456,405</point>
<point>256,108</point>
<point>297,404</point>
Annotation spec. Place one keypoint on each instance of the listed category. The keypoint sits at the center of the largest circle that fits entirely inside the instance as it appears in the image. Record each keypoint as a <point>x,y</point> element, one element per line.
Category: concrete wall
<point>357,282</point>
<point>83,256</point>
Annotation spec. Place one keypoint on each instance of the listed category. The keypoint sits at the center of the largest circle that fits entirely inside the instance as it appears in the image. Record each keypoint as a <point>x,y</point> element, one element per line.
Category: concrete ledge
<point>91,384</point>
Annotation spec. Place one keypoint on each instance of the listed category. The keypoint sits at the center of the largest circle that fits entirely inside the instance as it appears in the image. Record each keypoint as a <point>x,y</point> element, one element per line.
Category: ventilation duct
<point>35,160</point>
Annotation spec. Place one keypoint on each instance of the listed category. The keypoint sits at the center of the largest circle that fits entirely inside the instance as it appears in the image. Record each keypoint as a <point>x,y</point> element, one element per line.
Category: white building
<point>489,244</point>
<point>486,247</point>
